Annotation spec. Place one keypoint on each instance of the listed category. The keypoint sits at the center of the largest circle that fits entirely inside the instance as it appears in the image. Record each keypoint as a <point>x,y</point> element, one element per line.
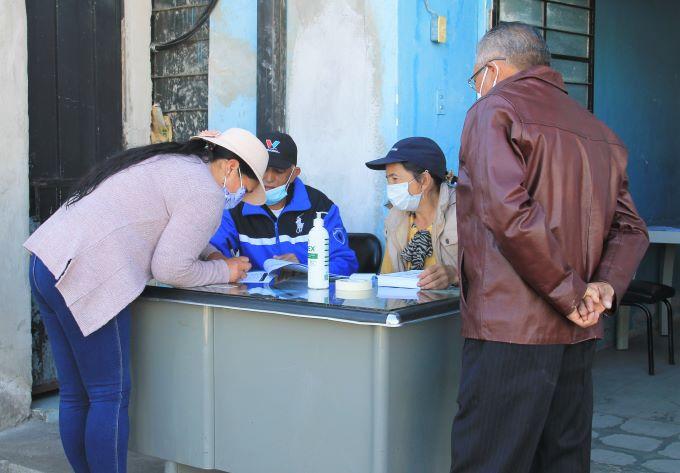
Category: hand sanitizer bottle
<point>318,255</point>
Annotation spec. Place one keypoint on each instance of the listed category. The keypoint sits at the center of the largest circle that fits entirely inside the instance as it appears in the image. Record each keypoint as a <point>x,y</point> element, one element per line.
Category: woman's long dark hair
<point>124,159</point>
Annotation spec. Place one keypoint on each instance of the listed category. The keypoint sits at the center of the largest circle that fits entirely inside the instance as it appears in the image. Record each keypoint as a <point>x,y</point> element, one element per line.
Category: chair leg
<point>650,337</point>
<point>671,341</point>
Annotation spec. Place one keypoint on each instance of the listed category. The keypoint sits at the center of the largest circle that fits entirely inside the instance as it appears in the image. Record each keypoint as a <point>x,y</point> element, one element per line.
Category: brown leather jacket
<point>543,208</point>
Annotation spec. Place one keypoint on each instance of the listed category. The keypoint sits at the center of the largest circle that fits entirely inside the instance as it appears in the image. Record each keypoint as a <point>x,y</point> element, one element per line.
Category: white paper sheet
<point>272,265</point>
<point>406,279</point>
<point>257,277</point>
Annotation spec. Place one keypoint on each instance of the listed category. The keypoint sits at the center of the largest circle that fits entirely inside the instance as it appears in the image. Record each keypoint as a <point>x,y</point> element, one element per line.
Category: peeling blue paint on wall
<point>414,68</point>
<point>426,67</point>
<point>232,72</point>
<point>395,100</point>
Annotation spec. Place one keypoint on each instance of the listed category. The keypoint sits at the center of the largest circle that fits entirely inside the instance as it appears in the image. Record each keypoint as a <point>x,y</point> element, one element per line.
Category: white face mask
<point>277,194</point>
<point>400,197</point>
<point>232,199</point>
<point>481,86</point>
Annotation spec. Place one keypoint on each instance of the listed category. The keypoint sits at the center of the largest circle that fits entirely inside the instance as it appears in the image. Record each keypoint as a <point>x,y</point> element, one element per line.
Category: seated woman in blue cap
<point>420,227</point>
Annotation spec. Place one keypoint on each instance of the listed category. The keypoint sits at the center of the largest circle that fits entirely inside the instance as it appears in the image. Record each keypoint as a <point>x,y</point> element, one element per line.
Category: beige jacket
<point>444,231</point>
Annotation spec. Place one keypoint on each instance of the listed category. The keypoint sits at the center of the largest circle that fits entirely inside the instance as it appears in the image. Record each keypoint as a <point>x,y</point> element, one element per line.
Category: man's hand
<point>599,298</point>
<point>437,277</point>
<point>288,257</point>
<point>586,322</point>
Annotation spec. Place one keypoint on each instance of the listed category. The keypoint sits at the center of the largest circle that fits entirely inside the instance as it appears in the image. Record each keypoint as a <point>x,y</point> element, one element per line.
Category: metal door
<point>75,111</point>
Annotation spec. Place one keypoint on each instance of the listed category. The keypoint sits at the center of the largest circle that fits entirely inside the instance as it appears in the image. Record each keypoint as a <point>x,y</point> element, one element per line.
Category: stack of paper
<point>257,277</point>
<point>272,266</point>
<point>397,293</point>
<point>405,279</point>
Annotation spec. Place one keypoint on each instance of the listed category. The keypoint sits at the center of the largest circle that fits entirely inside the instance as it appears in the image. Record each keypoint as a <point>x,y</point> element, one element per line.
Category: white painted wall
<point>137,88</point>
<point>341,93</point>
<point>15,303</point>
<point>341,100</point>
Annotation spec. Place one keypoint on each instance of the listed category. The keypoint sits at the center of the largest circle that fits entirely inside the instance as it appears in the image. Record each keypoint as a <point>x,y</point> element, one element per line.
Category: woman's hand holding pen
<point>238,265</point>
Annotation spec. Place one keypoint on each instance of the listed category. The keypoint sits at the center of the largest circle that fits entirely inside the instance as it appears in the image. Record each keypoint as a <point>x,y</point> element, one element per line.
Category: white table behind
<point>669,237</point>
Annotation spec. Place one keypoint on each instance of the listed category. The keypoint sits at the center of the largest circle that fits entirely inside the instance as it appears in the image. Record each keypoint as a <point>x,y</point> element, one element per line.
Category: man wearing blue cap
<point>279,229</point>
<point>420,228</point>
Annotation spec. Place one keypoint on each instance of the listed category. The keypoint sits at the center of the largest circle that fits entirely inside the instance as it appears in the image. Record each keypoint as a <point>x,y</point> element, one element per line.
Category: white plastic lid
<point>318,221</point>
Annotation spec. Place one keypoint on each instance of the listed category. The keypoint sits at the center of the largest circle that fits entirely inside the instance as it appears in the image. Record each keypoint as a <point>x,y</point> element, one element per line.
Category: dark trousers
<point>524,408</point>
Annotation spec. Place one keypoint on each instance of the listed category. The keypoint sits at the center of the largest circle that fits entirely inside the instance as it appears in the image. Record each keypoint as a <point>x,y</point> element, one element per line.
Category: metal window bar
<point>580,7</point>
<point>180,76</point>
<point>558,30</point>
<point>185,110</point>
<point>188,117</point>
<point>568,57</point>
<point>178,7</point>
<point>495,18</point>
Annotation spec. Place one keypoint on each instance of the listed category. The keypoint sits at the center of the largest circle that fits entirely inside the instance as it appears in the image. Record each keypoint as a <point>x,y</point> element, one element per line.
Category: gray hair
<point>521,45</point>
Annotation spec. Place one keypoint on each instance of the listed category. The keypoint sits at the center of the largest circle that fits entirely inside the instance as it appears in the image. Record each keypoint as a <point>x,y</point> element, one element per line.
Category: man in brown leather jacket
<point>549,238</point>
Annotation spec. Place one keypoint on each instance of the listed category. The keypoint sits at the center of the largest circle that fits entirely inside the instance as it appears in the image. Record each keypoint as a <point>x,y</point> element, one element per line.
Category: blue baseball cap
<point>420,151</point>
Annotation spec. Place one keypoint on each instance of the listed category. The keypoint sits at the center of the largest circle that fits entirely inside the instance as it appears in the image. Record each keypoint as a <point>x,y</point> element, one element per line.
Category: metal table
<point>283,379</point>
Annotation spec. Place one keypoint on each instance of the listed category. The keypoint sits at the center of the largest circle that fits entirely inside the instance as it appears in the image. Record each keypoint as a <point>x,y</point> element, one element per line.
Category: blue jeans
<point>94,380</point>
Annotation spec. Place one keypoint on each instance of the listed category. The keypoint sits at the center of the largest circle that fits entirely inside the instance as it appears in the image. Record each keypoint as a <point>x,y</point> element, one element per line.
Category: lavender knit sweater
<point>153,219</point>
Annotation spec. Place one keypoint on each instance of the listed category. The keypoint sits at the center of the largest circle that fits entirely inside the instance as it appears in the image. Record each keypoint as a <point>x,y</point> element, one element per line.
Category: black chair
<point>640,294</point>
<point>368,250</point>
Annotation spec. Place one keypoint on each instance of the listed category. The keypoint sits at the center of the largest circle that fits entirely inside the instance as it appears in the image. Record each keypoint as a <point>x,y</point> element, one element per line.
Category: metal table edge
<point>354,315</point>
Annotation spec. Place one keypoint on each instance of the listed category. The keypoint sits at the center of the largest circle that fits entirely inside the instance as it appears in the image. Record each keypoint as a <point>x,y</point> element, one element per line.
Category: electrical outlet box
<point>440,103</point>
<point>438,29</point>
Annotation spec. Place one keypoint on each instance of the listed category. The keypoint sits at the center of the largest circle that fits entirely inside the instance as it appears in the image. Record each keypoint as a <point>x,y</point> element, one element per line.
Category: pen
<point>234,253</point>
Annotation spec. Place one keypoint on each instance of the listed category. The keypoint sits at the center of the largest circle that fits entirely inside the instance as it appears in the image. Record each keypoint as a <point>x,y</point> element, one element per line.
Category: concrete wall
<point>342,99</point>
<point>136,72</point>
<point>232,71</point>
<point>15,303</point>
<point>361,74</point>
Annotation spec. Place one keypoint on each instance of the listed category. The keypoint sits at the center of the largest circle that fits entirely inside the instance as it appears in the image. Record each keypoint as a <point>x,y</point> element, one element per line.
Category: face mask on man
<point>277,194</point>
<point>400,197</point>
<point>232,199</point>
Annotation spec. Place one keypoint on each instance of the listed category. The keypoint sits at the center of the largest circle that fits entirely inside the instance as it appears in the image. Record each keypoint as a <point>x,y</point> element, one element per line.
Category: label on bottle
<point>318,263</point>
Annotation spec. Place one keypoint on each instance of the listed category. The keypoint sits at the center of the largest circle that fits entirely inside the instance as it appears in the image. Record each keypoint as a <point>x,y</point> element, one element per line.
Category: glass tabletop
<point>295,289</point>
